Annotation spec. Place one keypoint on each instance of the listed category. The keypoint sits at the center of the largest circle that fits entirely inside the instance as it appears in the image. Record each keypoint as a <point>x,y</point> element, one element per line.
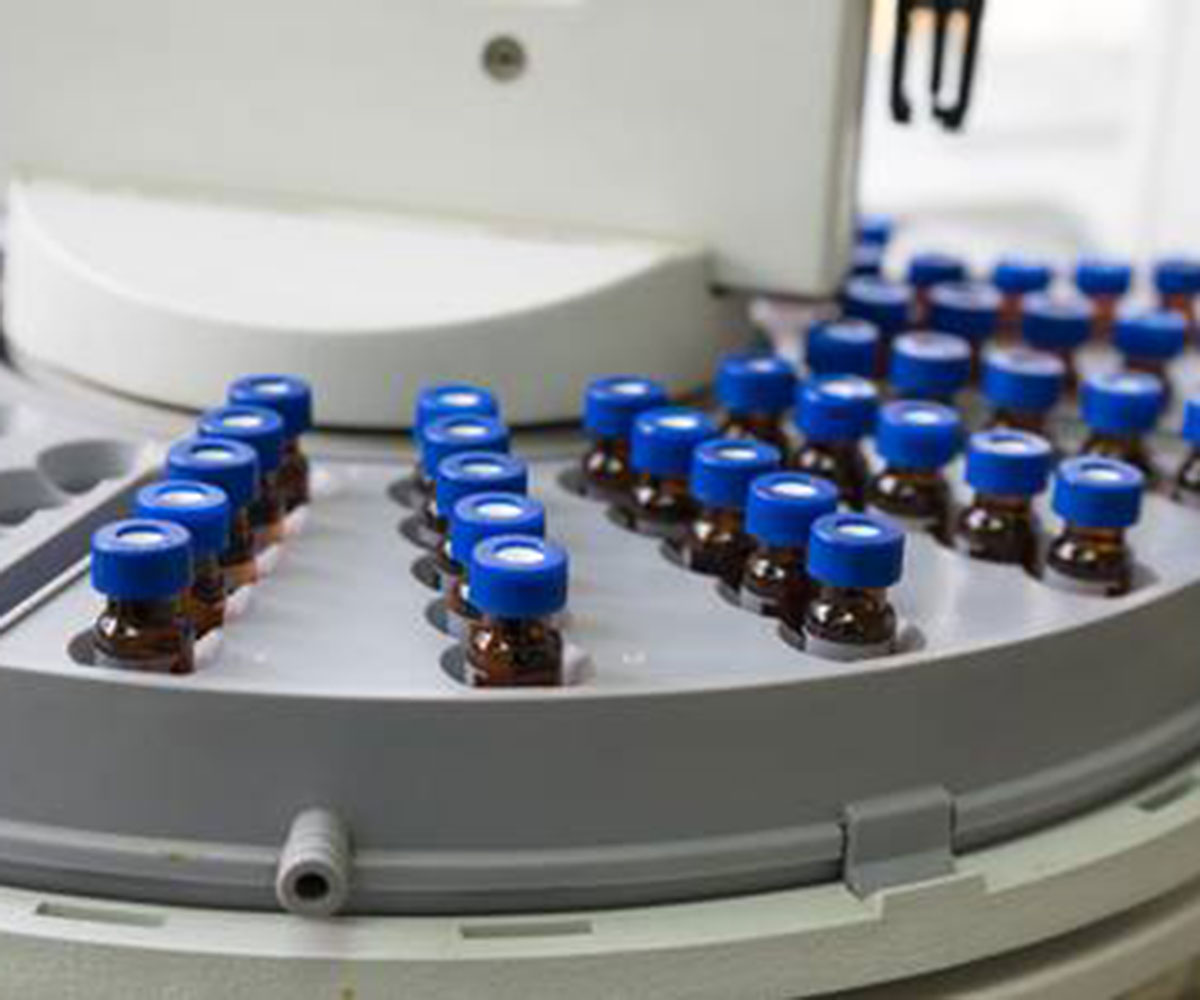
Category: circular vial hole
<point>504,58</point>
<point>80,466</point>
<point>23,492</point>
<point>311,887</point>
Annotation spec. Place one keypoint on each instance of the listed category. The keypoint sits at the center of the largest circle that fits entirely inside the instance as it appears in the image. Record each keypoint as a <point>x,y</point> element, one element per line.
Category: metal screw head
<point>504,58</point>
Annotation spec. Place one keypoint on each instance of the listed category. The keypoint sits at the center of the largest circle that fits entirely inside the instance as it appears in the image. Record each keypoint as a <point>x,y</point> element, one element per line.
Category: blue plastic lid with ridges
<point>1015,275</point>
<point>1191,421</point>
<point>224,462</point>
<point>866,260</point>
<point>1008,463</point>
<point>969,309</point>
<point>843,347</point>
<point>518,576</point>
<point>288,395</point>
<point>836,407</point>
<point>471,472</point>
<point>612,403</point>
<point>448,436</point>
<point>482,515</point>
<point>664,439</point>
<point>1103,276</point>
<point>933,267</point>
<point>783,506</point>
<point>884,303</point>
<point>856,550</point>
<point>201,508</point>
<point>1023,379</point>
<point>755,383</point>
<point>1177,276</point>
<point>1056,322</point>
<point>1156,335</point>
<point>448,399</point>
<point>141,560</point>
<point>260,428</point>
<point>874,228</point>
<point>1122,402</point>
<point>925,363</point>
<point>724,468</point>
<point>918,435</point>
<point>1094,492</point>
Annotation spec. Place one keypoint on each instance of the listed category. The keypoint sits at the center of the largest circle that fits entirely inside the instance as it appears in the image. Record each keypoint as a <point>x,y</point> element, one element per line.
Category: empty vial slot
<point>571,479</point>
<point>81,466</point>
<point>23,492</point>
<point>405,493</point>
<point>413,529</point>
<point>425,571</point>
<point>440,618</point>
<point>651,529</point>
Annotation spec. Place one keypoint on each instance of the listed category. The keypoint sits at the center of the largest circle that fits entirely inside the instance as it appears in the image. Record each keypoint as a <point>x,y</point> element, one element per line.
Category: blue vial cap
<point>1157,335</point>
<point>1191,421</point>
<point>918,435</point>
<point>222,462</point>
<point>612,403</point>
<point>782,507</point>
<point>930,364</point>
<point>483,515</point>
<point>843,347</point>
<point>1177,276</point>
<point>855,550</point>
<point>836,408</point>
<point>1056,323</point>
<point>755,383</point>
<point>200,507</point>
<point>289,396</point>
<point>141,560</point>
<point>724,468</point>
<point>1103,276</point>
<point>471,472</point>
<point>884,303</point>
<point>969,309</point>
<point>1122,402</point>
<point>1095,492</point>
<point>1021,275</point>
<point>448,436</point>
<point>518,576</point>
<point>875,228</point>
<point>867,260</point>
<point>260,428</point>
<point>934,268</point>
<point>1008,463</point>
<point>450,399</point>
<point>1022,379</point>
<point>664,439</point>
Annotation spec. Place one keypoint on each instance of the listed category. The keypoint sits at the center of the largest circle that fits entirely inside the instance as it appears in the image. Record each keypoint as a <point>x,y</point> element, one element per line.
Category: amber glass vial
<point>844,347</point>
<point>1058,325</point>
<point>1014,278</point>
<point>833,414</point>
<point>970,310</point>
<point>1177,281</point>
<point>755,391</point>
<point>446,399</point>
<point>1120,410</point>
<point>930,365</point>
<point>144,569</point>
<point>886,304</point>
<point>1022,386</point>
<point>470,472</point>
<point>1150,342</point>
<point>442,439</point>
<point>926,271</point>
<point>1105,281</point>
<point>291,398</point>
<point>1187,480</point>
<point>610,406</point>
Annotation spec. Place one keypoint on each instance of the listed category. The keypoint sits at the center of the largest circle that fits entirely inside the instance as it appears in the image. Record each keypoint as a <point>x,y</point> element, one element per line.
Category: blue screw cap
<point>969,309</point>
<point>664,439</point>
<point>884,303</point>
<point>866,260</point>
<point>755,383</point>
<point>1157,335</point>
<point>448,436</point>
<point>1022,379</point>
<point>783,506</point>
<point>724,468</point>
<point>141,560</point>
<point>836,408</point>
<point>843,347</point>
<point>1015,275</point>
<point>288,395</point>
<point>453,399</point>
<point>199,507</point>
<point>935,268</point>
<point>856,550</point>
<point>1097,276</point>
<point>874,228</point>
<point>483,515</point>
<point>1191,421</point>
<point>1122,402</point>
<point>471,472</point>
<point>222,462</point>
<point>1056,323</point>
<point>612,403</point>
<point>918,435</point>
<point>260,428</point>
<point>930,365</point>
<point>1177,276</point>
<point>1008,463</point>
<point>1095,492</point>
<point>518,576</point>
